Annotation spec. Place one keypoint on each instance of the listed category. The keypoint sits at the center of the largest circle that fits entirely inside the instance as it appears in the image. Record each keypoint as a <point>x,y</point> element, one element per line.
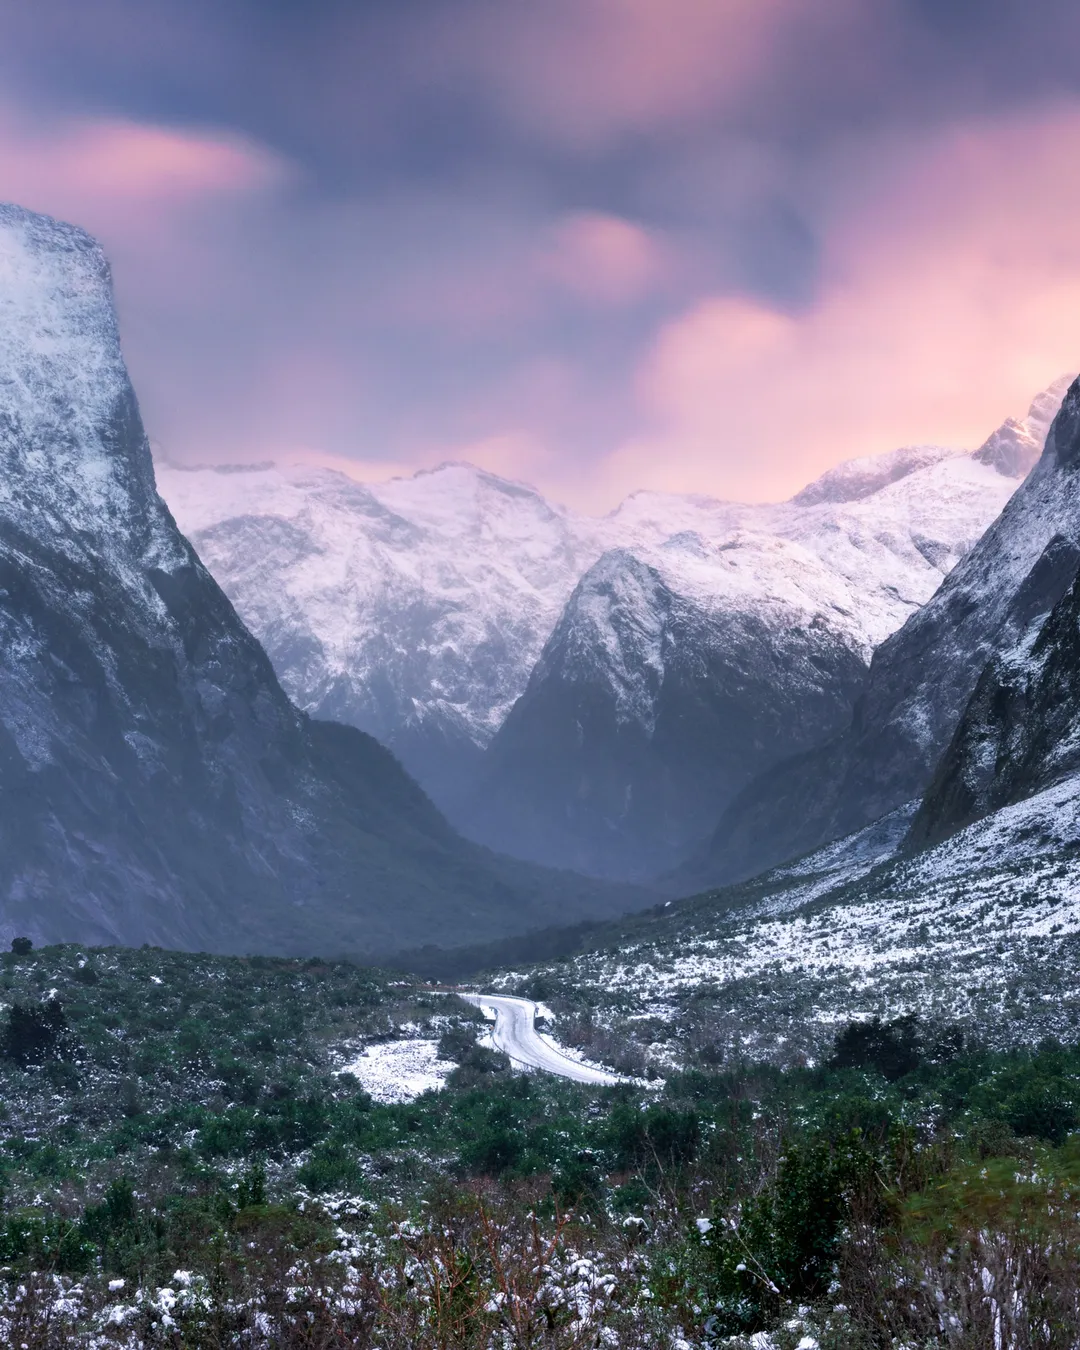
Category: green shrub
<point>782,1244</point>
<point>331,1167</point>
<point>35,1241</point>
<point>660,1138</point>
<point>578,1183</point>
<point>1040,1110</point>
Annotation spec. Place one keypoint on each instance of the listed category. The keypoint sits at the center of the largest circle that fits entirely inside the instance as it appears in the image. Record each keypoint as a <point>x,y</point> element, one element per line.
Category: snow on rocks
<point>66,403</point>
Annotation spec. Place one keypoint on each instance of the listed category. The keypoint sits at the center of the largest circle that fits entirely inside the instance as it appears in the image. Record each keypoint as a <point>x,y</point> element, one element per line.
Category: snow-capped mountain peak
<point>1014,448</point>
<point>855,479</point>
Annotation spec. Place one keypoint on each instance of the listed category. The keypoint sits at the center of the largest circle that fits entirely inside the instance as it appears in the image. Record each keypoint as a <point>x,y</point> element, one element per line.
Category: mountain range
<point>887,660</point>
<point>590,692</point>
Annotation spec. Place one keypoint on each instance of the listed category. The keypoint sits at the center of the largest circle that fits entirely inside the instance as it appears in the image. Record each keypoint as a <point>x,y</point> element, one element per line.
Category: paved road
<point>516,1035</point>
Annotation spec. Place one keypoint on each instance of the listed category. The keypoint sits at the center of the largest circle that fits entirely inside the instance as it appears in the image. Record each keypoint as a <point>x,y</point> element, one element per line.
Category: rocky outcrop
<point>1020,732</point>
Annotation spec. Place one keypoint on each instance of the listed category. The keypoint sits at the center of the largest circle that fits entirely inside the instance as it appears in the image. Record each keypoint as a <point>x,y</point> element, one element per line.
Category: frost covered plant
<point>470,1273</point>
<point>506,1281</point>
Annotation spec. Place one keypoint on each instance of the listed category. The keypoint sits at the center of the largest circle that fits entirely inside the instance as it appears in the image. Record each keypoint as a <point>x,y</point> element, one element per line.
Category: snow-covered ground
<point>400,1071</point>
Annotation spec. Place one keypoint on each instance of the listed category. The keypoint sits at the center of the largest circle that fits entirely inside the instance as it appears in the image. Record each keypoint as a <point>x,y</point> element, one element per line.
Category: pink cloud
<point>603,258</point>
<point>586,70</point>
<point>950,294</point>
<point>483,270</point>
<point>70,168</point>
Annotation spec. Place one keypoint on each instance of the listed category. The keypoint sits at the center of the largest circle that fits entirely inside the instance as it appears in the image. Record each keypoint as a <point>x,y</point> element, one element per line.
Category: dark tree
<point>35,1033</point>
<point>890,1048</point>
<point>22,946</point>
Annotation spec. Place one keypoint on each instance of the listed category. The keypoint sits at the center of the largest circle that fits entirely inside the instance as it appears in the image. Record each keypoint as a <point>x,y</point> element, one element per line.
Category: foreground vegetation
<point>182,1166</point>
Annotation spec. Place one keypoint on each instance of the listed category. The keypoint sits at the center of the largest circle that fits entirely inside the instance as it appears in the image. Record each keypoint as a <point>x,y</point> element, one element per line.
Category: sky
<point>597,245</point>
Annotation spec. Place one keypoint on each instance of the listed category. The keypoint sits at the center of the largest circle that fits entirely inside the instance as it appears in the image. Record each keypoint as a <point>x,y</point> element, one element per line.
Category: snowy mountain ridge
<point>417,608</point>
<point>921,678</point>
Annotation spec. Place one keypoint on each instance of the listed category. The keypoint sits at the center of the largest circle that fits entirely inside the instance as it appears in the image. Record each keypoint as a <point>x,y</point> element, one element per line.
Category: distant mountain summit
<point>492,639</point>
<point>157,785</point>
<point>855,479</point>
<point>413,609</point>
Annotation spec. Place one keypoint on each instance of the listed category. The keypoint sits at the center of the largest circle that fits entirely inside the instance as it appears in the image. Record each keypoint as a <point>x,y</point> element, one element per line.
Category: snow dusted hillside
<point>417,609</point>
<point>1020,732</point>
<point>413,609</point>
<point>921,678</point>
<point>982,931</point>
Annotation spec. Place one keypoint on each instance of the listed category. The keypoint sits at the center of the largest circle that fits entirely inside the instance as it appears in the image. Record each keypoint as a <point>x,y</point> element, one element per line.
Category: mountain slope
<point>671,674</point>
<point>412,609</point>
<point>1020,732</point>
<point>157,784</point>
<point>920,678</point>
<point>676,673</point>
<point>980,933</point>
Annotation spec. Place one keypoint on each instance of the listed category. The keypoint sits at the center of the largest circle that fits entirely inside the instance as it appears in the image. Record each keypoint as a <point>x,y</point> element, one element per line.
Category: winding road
<point>516,1035</point>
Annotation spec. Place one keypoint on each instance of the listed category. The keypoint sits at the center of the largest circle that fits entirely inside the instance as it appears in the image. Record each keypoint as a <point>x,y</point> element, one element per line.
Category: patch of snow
<point>400,1071</point>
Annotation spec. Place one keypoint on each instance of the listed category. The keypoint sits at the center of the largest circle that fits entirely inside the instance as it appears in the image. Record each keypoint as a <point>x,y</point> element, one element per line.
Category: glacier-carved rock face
<point>156,783</point>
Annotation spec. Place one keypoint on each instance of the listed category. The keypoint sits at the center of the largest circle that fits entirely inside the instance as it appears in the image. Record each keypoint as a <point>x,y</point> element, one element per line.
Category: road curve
<point>516,1035</point>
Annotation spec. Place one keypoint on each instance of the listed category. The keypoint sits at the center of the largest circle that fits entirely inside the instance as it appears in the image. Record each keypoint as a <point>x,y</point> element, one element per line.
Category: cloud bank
<point>714,245</point>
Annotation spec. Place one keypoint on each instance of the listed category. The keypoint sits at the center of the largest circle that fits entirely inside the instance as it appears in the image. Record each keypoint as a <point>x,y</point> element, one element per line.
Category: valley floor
<point>817,1108</point>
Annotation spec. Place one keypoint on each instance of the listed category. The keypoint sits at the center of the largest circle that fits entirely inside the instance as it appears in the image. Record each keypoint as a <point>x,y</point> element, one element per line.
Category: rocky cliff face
<point>1020,731</point>
<point>157,784</point>
<point>922,677</point>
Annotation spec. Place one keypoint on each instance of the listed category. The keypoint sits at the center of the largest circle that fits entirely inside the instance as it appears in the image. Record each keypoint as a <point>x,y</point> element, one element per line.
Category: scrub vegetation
<point>184,1165</point>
